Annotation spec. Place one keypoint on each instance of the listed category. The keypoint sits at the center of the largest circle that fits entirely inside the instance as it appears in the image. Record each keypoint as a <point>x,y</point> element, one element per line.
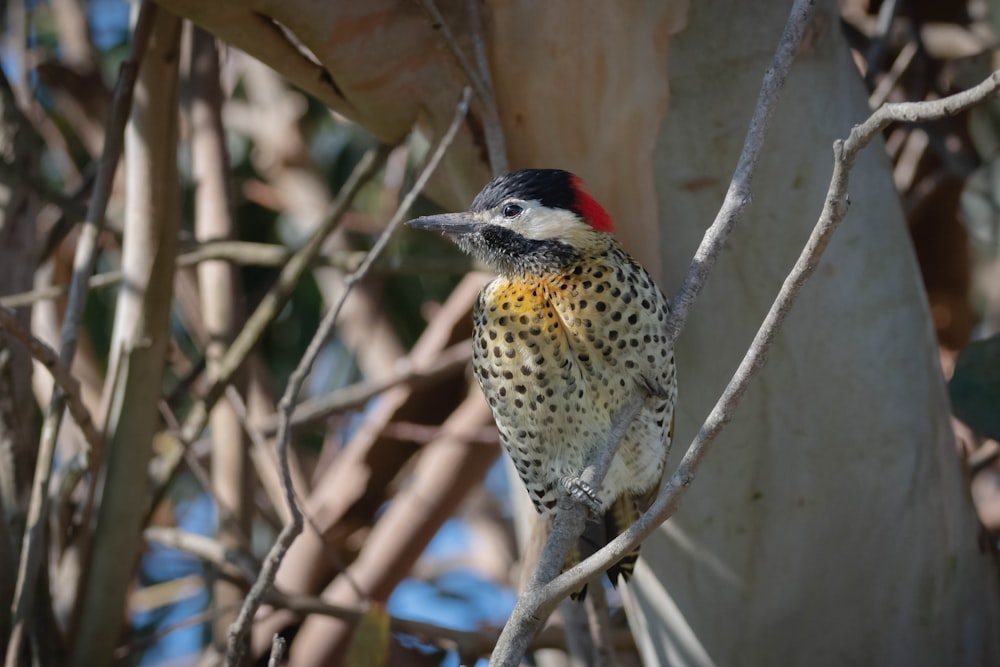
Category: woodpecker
<point>571,329</point>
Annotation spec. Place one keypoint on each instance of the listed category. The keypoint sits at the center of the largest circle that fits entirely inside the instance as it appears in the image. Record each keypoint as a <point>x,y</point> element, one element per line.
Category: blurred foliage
<point>948,177</point>
<point>370,646</point>
<point>975,387</point>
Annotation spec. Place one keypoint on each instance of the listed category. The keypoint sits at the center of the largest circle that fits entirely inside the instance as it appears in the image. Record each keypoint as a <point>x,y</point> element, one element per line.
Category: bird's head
<point>528,221</point>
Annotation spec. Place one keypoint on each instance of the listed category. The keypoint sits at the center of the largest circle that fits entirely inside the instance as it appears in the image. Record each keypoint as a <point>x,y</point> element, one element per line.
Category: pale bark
<point>221,293</point>
<point>359,481</point>
<point>139,344</point>
<point>831,523</point>
<point>444,473</point>
<point>832,519</point>
<point>17,250</point>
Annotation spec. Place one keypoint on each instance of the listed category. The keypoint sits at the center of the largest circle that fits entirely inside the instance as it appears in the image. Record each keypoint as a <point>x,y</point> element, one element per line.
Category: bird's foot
<point>583,493</point>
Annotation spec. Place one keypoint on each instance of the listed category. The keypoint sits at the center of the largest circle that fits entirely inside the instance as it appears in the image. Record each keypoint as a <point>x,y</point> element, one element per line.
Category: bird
<point>570,330</point>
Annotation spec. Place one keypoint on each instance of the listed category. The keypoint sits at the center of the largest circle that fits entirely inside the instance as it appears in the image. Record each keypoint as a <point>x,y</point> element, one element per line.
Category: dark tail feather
<point>597,533</point>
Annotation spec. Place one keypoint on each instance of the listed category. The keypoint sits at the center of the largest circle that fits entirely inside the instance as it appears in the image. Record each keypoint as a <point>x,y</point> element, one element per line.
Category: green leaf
<point>975,387</point>
<point>370,645</point>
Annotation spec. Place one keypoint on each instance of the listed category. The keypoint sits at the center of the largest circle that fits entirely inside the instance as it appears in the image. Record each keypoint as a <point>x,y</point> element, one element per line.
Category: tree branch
<point>83,265</point>
<point>250,253</point>
<point>68,384</point>
<point>239,567</point>
<point>538,602</point>
<point>238,634</point>
<point>478,76</point>
<point>447,363</point>
<point>738,196</point>
<point>280,292</point>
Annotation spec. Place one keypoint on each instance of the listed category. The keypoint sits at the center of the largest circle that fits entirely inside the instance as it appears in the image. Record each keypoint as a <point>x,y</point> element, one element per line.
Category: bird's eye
<point>512,211</point>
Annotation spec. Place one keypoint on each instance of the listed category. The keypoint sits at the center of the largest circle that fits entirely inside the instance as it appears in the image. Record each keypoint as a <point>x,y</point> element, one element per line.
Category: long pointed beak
<point>448,223</point>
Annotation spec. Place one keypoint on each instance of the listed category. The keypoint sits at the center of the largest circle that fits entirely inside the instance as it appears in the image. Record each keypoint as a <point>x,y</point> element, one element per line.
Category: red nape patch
<point>588,208</point>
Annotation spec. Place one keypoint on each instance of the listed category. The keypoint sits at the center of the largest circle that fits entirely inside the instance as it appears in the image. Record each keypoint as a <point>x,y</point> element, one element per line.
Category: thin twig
<point>231,561</point>
<point>280,292</point>
<point>834,210</point>
<point>260,445</point>
<point>599,621</point>
<point>277,651</point>
<point>446,364</point>
<point>83,265</point>
<point>876,49</point>
<point>738,196</point>
<point>438,23</point>
<point>237,566</point>
<point>249,253</point>
<point>496,145</point>
<point>62,376</point>
<point>238,634</point>
<point>478,76</point>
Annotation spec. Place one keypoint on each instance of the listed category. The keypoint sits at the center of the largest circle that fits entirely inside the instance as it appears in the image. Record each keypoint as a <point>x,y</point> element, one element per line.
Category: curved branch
<point>68,384</point>
<point>738,196</point>
<point>539,601</point>
<point>539,597</point>
<point>239,632</point>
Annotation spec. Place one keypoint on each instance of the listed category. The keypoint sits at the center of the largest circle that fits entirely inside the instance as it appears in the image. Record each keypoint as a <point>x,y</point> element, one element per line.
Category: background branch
<point>834,211</point>
<point>533,607</point>
<point>739,196</point>
<point>83,266</point>
<point>280,292</point>
<point>241,628</point>
<point>68,384</point>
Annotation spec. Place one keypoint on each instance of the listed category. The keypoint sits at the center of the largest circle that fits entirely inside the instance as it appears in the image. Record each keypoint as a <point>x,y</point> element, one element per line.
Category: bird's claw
<point>583,493</point>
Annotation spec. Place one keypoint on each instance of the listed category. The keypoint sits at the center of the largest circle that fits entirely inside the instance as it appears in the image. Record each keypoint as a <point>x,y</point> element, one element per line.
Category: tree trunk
<point>831,523</point>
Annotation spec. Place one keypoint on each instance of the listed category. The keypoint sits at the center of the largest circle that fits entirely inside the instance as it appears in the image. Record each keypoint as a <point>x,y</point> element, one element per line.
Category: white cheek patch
<point>541,224</point>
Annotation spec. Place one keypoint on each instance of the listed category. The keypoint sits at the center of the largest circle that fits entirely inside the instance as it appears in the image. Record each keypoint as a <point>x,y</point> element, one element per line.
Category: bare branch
<point>478,75</point>
<point>599,620</point>
<point>139,343</point>
<point>239,567</point>
<point>267,465</point>
<point>83,266</point>
<point>448,37</point>
<point>230,561</point>
<point>250,253</point>
<point>447,363</point>
<point>738,196</point>
<point>834,210</point>
<point>277,651</point>
<point>68,384</point>
<point>239,632</point>
<point>278,295</point>
<point>219,287</point>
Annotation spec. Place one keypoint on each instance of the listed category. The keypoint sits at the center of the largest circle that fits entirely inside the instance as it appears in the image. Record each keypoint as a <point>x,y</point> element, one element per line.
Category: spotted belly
<point>555,387</point>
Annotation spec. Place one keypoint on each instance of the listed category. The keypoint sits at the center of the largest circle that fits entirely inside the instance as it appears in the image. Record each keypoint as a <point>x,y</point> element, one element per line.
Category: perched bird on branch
<point>571,330</point>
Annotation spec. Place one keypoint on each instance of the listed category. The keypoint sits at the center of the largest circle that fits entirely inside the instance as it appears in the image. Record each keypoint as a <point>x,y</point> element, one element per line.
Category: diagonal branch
<point>538,602</point>
<point>238,633</point>
<point>449,362</point>
<point>538,599</point>
<point>83,266</point>
<point>478,76</point>
<point>68,384</point>
<point>280,292</point>
<point>738,196</point>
